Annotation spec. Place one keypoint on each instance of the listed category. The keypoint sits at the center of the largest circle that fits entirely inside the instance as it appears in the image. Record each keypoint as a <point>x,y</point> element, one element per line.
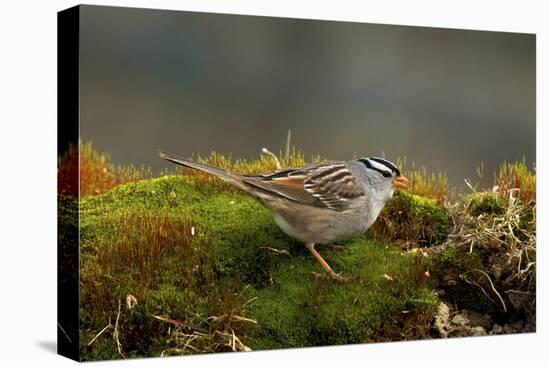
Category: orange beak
<point>400,182</point>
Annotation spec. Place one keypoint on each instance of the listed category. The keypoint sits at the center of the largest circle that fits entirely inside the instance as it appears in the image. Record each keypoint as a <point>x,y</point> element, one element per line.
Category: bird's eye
<point>386,174</point>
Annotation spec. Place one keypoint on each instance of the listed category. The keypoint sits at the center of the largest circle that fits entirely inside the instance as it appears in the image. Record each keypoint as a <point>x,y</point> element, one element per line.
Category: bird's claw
<point>337,277</point>
<point>331,275</point>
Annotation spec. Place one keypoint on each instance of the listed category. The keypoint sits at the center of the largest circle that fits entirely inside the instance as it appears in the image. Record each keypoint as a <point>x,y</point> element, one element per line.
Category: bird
<point>322,203</point>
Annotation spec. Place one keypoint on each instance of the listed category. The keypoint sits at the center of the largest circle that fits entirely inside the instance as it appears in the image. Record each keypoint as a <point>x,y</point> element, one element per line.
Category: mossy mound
<point>298,311</point>
<point>452,268</point>
<point>485,203</point>
<point>488,265</point>
<point>187,249</point>
<point>418,220</point>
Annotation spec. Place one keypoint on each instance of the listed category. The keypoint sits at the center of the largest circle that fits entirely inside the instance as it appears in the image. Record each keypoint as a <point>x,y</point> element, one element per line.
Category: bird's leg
<point>324,264</point>
<point>336,247</point>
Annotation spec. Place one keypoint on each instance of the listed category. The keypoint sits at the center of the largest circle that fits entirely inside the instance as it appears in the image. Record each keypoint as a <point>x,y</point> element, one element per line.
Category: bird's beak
<point>400,182</point>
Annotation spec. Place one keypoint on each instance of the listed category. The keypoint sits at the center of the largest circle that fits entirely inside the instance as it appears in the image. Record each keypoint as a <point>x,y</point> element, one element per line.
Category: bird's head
<point>383,176</point>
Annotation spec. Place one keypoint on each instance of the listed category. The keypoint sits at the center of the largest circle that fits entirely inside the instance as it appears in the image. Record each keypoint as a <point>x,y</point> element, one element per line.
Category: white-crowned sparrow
<point>321,203</point>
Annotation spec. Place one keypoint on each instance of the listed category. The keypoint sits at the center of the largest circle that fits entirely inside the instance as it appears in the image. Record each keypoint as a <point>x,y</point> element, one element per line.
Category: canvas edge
<point>68,24</point>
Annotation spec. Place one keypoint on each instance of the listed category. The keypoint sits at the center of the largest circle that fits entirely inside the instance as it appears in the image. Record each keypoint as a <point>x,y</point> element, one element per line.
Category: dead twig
<point>101,332</point>
<point>214,334</point>
<point>265,151</point>
<point>116,333</point>
<point>287,148</point>
<point>249,302</point>
<point>491,284</point>
<point>276,251</point>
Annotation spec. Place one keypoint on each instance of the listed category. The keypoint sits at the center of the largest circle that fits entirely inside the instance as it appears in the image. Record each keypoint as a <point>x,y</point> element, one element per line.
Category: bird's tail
<point>230,177</point>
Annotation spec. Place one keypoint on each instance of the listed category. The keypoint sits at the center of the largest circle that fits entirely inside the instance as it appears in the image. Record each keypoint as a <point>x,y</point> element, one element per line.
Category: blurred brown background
<point>196,82</point>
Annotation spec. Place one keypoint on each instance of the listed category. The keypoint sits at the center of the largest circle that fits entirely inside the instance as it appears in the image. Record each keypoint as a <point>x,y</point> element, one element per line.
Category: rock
<point>460,320</point>
<point>478,331</point>
<point>497,329</point>
<point>442,319</point>
<point>477,319</point>
<point>514,327</point>
<point>461,324</point>
<point>507,329</point>
<point>518,326</point>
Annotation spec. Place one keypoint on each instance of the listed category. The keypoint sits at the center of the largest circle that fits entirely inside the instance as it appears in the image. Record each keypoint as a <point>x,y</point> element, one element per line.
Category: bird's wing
<point>328,185</point>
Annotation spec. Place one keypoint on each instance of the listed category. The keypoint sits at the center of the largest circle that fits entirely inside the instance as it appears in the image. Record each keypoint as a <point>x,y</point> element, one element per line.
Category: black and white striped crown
<point>381,165</point>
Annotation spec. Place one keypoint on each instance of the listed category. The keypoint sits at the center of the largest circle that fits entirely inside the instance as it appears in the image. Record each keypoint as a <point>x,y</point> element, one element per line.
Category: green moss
<point>413,218</point>
<point>194,274</point>
<point>299,311</point>
<point>485,203</point>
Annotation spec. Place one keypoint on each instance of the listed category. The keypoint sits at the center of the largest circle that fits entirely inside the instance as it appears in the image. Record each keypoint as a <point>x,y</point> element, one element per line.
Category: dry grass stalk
<point>505,231</point>
<point>463,276</point>
<point>116,333</point>
<point>275,250</point>
<point>277,163</point>
<point>109,325</point>
<point>215,334</point>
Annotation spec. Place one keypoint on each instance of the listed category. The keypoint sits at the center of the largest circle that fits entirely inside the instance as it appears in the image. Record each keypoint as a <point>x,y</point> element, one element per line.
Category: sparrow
<point>318,204</point>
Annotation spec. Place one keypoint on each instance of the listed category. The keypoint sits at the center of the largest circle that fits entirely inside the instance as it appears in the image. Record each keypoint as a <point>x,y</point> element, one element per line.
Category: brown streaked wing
<point>313,185</point>
<point>289,187</point>
<point>334,185</point>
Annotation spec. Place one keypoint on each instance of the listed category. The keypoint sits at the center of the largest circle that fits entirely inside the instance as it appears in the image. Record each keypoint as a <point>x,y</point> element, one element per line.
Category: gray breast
<point>312,224</point>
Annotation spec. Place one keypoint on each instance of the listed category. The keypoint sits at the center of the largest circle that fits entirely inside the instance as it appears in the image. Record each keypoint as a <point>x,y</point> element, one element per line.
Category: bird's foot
<point>331,275</point>
<point>335,247</point>
<point>337,277</point>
